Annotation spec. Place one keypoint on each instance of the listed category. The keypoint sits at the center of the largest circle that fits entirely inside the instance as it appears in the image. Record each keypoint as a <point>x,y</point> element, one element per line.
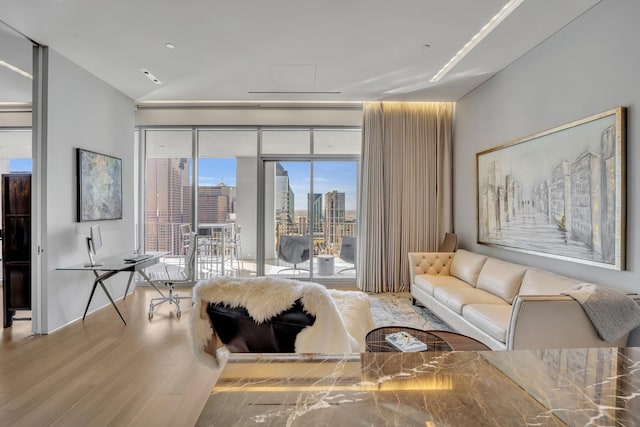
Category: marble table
<point>538,388</point>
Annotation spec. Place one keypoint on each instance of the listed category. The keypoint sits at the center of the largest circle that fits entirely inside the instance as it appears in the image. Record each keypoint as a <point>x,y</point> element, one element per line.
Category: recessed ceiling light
<point>170,45</point>
<point>16,69</point>
<point>477,38</point>
<point>150,76</point>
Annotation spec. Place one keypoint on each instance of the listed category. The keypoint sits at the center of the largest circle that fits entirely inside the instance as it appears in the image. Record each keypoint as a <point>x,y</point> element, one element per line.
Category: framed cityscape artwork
<point>559,193</point>
<point>99,180</point>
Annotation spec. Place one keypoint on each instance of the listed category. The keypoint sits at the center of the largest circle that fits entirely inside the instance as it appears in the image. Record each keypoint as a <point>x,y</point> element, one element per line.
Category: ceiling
<point>277,50</point>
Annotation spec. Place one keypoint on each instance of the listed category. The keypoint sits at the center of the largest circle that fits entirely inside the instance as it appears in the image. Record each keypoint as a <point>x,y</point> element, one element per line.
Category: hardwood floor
<point>100,372</point>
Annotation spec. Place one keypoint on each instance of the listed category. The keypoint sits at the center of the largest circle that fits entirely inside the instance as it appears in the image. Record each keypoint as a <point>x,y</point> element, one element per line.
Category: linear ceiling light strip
<point>16,69</point>
<point>477,38</point>
<point>296,92</point>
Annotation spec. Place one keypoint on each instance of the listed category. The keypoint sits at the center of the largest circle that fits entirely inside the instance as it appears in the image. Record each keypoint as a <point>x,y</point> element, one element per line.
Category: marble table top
<point>585,387</point>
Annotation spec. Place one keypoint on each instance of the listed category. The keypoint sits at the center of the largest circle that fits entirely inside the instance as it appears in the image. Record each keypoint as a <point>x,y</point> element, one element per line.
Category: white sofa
<point>505,305</point>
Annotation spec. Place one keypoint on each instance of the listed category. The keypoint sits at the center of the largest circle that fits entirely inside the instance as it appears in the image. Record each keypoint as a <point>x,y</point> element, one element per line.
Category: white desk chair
<point>168,278</point>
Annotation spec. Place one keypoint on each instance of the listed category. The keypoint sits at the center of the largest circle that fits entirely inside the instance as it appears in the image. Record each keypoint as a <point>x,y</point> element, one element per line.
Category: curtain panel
<point>405,198</point>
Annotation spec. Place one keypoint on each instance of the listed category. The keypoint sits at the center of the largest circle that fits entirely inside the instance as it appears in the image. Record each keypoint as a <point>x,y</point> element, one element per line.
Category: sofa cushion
<point>539,282</point>
<point>429,282</point>
<point>466,266</point>
<point>491,318</point>
<point>501,278</point>
<point>456,298</point>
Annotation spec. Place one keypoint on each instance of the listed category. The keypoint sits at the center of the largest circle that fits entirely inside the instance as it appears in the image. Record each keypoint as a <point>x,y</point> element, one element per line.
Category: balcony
<point>215,258</point>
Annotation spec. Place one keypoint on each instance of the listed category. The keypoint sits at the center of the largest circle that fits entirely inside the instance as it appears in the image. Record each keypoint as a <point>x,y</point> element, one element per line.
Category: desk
<point>223,230</point>
<point>111,266</point>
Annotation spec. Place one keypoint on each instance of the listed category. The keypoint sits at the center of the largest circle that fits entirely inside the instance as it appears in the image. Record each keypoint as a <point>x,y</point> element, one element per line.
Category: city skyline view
<point>329,176</point>
<point>168,197</point>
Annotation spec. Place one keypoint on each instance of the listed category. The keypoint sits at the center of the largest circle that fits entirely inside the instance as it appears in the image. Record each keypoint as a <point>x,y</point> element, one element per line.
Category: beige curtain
<point>405,199</point>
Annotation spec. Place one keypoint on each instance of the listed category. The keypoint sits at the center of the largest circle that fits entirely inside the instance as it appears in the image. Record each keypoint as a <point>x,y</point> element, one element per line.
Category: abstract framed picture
<point>560,193</point>
<point>99,179</point>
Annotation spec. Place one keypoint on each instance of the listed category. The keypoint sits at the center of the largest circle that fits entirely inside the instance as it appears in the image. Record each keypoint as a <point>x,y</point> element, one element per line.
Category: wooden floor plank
<point>100,372</point>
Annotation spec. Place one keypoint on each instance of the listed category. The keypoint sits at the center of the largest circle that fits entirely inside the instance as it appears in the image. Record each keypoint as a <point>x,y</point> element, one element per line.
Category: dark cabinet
<point>16,245</point>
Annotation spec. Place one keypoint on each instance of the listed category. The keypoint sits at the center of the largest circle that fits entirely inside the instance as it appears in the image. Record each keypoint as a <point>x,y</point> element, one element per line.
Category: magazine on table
<point>404,341</point>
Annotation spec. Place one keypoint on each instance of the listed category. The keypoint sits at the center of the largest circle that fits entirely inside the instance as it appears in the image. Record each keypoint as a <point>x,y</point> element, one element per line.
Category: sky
<point>341,176</point>
<point>328,176</point>
<point>20,165</point>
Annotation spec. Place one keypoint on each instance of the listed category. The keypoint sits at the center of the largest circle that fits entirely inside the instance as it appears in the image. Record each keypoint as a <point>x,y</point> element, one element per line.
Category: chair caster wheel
<point>150,315</point>
<point>178,314</point>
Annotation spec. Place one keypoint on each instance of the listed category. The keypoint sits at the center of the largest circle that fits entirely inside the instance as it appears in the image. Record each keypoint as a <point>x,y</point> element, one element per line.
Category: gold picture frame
<point>560,193</point>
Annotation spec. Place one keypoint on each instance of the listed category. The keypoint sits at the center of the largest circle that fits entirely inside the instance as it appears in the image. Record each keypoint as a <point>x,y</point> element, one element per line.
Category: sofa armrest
<point>552,321</point>
<point>437,263</point>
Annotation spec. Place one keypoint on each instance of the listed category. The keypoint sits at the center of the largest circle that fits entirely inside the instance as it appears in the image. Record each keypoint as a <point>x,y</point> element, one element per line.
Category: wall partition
<point>231,185</point>
<point>16,153</point>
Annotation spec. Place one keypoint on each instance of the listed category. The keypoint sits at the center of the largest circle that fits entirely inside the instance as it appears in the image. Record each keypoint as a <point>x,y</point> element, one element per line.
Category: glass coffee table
<point>435,340</point>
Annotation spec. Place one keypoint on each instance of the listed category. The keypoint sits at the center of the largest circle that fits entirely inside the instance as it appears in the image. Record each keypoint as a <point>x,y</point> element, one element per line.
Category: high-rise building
<point>285,200</point>
<point>216,203</point>
<point>302,225</point>
<point>334,217</point>
<point>316,211</point>
<point>166,207</point>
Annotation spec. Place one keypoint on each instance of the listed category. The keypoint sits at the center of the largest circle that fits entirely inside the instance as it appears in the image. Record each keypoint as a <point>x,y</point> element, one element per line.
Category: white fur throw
<point>342,317</point>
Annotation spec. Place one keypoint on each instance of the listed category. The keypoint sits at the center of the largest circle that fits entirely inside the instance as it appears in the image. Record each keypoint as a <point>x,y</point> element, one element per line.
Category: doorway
<point>16,146</point>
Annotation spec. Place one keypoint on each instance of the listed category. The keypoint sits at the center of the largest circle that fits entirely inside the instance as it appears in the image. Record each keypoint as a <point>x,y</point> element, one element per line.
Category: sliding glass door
<point>287,219</point>
<point>311,222</point>
<point>310,204</point>
<point>334,219</point>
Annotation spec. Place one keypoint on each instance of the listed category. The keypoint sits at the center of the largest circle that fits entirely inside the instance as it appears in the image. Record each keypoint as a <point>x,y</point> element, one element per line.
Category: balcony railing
<point>213,261</point>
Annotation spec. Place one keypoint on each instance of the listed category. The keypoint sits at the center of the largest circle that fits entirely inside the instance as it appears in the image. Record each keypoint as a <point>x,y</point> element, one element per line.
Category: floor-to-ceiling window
<point>237,235</point>
<point>168,183</point>
<point>226,197</point>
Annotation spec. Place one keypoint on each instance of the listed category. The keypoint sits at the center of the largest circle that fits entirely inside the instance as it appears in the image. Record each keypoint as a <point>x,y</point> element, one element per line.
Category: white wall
<point>589,67</point>
<point>246,196</point>
<point>83,112</point>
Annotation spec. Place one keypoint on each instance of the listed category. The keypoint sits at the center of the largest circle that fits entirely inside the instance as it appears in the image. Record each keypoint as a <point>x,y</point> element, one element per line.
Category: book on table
<point>404,341</point>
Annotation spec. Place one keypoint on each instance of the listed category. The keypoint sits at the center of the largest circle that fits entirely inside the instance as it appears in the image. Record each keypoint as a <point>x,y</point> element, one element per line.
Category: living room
<point>585,68</point>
